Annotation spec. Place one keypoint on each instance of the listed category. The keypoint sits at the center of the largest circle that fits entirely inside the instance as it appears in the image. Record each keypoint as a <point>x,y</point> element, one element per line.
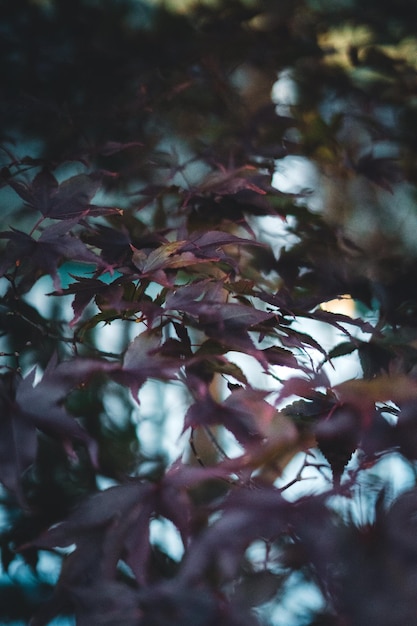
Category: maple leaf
<point>28,408</point>
<point>145,358</point>
<point>107,296</point>
<point>115,245</point>
<point>230,182</point>
<point>114,147</point>
<point>337,319</point>
<point>35,257</point>
<point>363,394</point>
<point>113,525</point>
<point>209,243</point>
<point>383,171</point>
<point>175,255</point>
<point>227,323</point>
<point>235,417</point>
<point>66,201</point>
<point>246,514</point>
<point>18,440</point>
<point>280,356</point>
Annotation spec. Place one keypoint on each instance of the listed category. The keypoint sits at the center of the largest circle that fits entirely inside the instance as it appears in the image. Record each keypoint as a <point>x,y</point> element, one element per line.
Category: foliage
<point>140,149</point>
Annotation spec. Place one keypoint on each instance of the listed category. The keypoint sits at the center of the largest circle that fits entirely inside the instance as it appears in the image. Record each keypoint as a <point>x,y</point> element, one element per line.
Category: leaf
<point>207,244</point>
<point>342,349</point>
<point>43,404</point>
<point>234,416</point>
<point>144,359</point>
<point>247,515</point>
<point>299,339</point>
<point>227,323</point>
<point>337,436</point>
<point>230,182</point>
<point>281,356</point>
<point>106,296</point>
<point>106,527</point>
<point>226,368</point>
<point>256,588</point>
<point>363,394</point>
<point>199,248</point>
<point>382,171</point>
<point>73,197</point>
<point>43,256</point>
<point>68,200</point>
<point>18,440</point>
<point>44,188</point>
<point>303,387</point>
<point>27,408</point>
<point>114,147</point>
<point>336,319</point>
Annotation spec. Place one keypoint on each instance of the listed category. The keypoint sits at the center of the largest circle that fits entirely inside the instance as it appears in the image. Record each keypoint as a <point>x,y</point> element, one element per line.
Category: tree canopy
<point>207,212</point>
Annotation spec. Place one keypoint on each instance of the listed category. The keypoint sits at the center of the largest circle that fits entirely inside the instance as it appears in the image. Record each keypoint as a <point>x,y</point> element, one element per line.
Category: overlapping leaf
<point>29,407</point>
<point>199,248</point>
<point>145,359</point>
<point>34,257</point>
<point>66,201</point>
<point>228,323</point>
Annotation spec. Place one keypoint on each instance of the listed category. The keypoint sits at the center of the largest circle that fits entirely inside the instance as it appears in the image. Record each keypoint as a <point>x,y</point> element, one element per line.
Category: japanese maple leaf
<point>17,438</point>
<point>44,255</point>
<point>107,296</point>
<point>113,525</point>
<point>145,358</point>
<point>229,182</point>
<point>208,244</point>
<point>228,323</point>
<point>69,200</point>
<point>239,414</point>
<point>174,255</point>
<point>247,515</point>
<point>27,408</point>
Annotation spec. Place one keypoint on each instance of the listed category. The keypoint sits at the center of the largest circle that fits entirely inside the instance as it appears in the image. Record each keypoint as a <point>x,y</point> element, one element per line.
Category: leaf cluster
<point>139,149</point>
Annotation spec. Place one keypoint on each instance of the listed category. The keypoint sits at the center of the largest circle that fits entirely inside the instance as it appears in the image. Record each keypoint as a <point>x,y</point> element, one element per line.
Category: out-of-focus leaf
<point>221,547</point>
<point>69,200</point>
<point>280,356</point>
<point>17,438</point>
<point>114,147</point>
<point>144,358</point>
<point>363,394</point>
<point>382,171</point>
<point>342,349</point>
<point>35,257</point>
<point>230,182</point>
<point>257,588</point>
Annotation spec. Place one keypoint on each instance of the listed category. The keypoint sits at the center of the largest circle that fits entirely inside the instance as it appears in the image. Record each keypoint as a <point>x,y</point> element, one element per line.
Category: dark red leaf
<point>144,359</point>
<point>18,440</point>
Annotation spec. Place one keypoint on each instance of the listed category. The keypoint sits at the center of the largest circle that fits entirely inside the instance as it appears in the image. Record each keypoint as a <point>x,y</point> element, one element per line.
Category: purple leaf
<point>43,404</point>
<point>144,359</point>
<point>72,200</point>
<point>106,296</point>
<point>43,256</point>
<point>279,356</point>
<point>114,147</point>
<point>207,244</point>
<point>69,200</point>
<point>248,514</point>
<point>230,182</point>
<point>241,413</point>
<point>44,188</point>
<point>336,319</point>
<point>18,441</point>
<point>227,323</point>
